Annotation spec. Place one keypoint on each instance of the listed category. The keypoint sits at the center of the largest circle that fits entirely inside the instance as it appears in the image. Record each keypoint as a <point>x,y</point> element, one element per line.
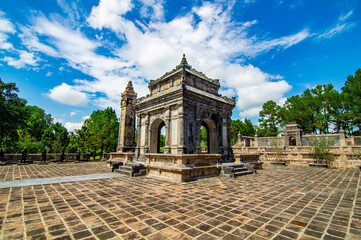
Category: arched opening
<point>161,138</point>
<point>208,138</point>
<point>204,139</point>
<point>292,141</point>
<point>157,136</point>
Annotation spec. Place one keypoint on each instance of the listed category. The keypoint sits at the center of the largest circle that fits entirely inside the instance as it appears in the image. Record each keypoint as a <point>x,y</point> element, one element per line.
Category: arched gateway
<point>182,100</point>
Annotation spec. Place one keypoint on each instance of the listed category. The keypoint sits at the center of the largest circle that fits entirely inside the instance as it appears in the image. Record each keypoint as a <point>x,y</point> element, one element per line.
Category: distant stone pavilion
<point>182,100</point>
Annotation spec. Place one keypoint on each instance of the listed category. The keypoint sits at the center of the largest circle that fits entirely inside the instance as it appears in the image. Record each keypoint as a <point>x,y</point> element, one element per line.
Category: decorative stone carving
<point>127,120</point>
<point>182,100</point>
<point>184,104</point>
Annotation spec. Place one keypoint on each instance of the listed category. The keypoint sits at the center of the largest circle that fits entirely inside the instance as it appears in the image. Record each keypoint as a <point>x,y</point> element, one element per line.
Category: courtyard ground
<point>278,202</point>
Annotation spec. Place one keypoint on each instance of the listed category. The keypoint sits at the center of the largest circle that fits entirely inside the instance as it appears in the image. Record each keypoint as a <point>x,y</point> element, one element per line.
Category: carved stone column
<point>181,128</point>
<point>127,120</point>
<point>139,136</point>
<point>146,137</point>
<point>167,131</point>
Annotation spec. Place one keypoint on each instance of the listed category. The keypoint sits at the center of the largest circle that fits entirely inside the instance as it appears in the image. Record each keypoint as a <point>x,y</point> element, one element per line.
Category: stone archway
<point>292,141</point>
<point>211,127</point>
<point>155,132</point>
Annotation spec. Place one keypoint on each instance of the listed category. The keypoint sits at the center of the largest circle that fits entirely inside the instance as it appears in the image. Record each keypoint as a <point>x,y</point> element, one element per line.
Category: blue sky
<point>73,57</point>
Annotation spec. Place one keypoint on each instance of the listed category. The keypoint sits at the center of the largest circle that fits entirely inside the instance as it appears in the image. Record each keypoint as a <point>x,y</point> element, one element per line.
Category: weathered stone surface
<point>182,101</point>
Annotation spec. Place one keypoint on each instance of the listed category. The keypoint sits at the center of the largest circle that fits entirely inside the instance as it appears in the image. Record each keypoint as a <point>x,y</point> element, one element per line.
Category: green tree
<point>102,130</point>
<point>11,115</point>
<point>270,119</point>
<point>36,121</point>
<point>55,138</point>
<point>301,110</point>
<point>324,96</point>
<point>28,141</point>
<point>246,128</point>
<point>352,91</point>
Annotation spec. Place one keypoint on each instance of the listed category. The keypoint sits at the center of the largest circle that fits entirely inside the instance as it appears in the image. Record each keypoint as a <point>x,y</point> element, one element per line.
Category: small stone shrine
<point>182,101</point>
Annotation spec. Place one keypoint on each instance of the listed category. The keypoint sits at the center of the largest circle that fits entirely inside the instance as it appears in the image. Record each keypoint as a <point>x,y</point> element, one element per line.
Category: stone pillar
<point>147,131</point>
<point>167,131</point>
<point>239,136</point>
<point>127,120</point>
<point>181,129</point>
<point>342,138</point>
<point>256,140</point>
<point>139,136</point>
<point>197,133</point>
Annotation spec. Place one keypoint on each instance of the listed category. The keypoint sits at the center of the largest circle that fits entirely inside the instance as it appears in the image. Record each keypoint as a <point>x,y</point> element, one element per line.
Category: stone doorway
<point>156,141</point>
<point>211,138</point>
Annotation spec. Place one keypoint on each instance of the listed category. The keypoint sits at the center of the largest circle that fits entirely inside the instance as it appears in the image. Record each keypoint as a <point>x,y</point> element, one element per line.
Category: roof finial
<point>184,60</point>
<point>129,87</point>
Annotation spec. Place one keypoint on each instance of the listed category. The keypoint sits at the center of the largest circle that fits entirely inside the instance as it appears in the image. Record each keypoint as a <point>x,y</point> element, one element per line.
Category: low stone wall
<point>182,168</point>
<point>345,157</point>
<point>68,157</point>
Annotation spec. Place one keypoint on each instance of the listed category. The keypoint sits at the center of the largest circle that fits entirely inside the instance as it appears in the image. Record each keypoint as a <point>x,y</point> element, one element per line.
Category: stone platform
<point>277,203</point>
<point>182,167</point>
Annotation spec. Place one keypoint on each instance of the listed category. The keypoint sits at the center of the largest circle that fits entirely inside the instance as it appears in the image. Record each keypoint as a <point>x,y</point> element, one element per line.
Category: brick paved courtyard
<point>278,202</point>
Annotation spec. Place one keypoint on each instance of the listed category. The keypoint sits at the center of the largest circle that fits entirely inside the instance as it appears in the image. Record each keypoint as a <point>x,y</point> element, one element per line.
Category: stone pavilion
<point>182,101</point>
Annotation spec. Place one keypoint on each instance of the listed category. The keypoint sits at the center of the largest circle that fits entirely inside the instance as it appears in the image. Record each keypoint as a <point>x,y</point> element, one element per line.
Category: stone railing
<point>68,157</point>
<point>344,157</point>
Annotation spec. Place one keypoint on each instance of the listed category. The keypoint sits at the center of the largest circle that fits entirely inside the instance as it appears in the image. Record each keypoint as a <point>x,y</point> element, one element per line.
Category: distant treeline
<point>27,126</point>
<point>321,109</point>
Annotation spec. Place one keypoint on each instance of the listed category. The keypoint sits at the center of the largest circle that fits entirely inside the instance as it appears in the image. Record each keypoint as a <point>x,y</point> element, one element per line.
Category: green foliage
<point>11,115</point>
<point>36,121</point>
<point>55,138</point>
<point>352,92</point>
<point>245,127</point>
<point>204,139</point>
<point>28,141</point>
<point>100,131</point>
<point>270,119</point>
<point>319,110</point>
<point>277,149</point>
<point>321,147</point>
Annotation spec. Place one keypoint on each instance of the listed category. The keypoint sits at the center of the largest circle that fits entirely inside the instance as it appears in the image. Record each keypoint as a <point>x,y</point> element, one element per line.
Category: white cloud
<point>6,27</point>
<point>109,12</point>
<point>340,27</point>
<point>48,74</point>
<point>25,58</point>
<point>70,126</point>
<point>332,32</point>
<point>72,114</point>
<point>255,96</point>
<point>208,36</point>
<point>85,117</point>
<point>152,9</point>
<point>67,94</point>
<point>347,15</point>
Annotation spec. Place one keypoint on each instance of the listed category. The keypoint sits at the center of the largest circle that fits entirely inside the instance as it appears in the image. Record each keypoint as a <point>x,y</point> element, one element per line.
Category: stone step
<point>122,171</point>
<point>236,174</point>
<point>240,169</point>
<point>126,167</point>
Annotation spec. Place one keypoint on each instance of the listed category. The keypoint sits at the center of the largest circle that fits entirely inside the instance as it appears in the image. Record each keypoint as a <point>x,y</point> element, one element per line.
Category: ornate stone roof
<point>185,67</point>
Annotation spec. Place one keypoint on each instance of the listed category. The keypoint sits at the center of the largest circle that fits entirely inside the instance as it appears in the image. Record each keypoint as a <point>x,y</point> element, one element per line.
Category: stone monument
<point>181,101</point>
<point>127,120</point>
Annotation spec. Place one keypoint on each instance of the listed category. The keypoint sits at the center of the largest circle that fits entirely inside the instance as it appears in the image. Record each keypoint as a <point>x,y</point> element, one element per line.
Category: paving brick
<point>269,204</point>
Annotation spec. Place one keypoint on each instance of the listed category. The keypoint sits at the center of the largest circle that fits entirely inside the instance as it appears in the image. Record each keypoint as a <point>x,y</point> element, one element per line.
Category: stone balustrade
<point>68,157</point>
